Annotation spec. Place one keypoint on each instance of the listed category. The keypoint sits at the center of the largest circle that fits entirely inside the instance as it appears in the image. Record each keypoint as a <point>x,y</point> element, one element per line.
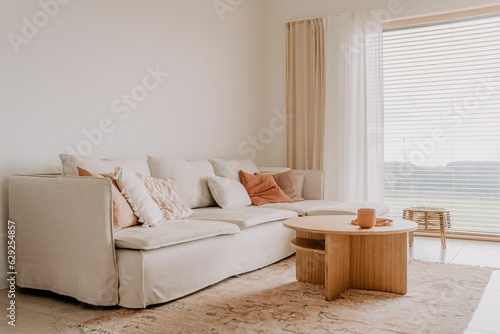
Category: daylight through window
<point>442,120</point>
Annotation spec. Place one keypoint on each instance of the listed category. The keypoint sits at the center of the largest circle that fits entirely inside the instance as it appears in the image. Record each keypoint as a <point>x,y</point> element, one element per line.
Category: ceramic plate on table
<point>380,222</point>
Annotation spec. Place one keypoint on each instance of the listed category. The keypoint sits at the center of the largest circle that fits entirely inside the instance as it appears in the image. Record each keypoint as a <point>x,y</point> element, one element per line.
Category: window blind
<point>442,120</point>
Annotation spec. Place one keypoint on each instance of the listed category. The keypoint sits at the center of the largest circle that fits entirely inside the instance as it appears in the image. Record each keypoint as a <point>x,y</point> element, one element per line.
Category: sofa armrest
<point>313,183</point>
<point>64,236</point>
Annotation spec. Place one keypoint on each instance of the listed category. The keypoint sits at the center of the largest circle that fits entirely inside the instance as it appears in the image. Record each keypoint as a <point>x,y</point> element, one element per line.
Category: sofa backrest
<point>191,177</point>
<point>313,187</point>
<point>70,162</point>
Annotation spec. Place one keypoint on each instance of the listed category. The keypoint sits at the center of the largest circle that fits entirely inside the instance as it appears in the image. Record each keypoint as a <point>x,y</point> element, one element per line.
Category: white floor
<point>44,312</point>
<point>479,253</point>
<point>486,319</point>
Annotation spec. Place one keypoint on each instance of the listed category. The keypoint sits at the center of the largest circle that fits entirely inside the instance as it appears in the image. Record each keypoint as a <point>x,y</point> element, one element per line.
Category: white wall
<point>65,78</point>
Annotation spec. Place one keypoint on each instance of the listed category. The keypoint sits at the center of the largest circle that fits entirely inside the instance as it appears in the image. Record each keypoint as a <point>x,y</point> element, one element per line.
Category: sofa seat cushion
<point>243,217</point>
<point>170,233</point>
<point>348,208</point>
<point>302,207</point>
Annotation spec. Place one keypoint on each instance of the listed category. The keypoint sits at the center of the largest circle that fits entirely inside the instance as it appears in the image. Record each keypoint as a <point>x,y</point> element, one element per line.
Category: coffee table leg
<point>337,258</point>
<point>379,263</point>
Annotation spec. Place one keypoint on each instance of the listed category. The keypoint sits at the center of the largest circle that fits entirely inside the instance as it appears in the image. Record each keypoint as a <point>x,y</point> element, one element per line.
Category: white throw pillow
<point>230,167</point>
<point>135,192</point>
<point>228,193</point>
<point>102,166</point>
<point>191,177</point>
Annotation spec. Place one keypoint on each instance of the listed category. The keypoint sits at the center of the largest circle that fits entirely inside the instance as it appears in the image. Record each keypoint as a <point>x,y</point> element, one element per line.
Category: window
<point>442,120</point>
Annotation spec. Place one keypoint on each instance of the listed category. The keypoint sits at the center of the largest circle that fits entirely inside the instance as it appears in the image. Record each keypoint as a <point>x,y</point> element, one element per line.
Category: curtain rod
<point>325,16</point>
<point>307,18</point>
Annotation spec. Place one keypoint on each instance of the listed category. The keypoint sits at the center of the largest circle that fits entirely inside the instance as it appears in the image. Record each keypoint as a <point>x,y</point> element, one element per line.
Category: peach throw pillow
<point>263,189</point>
<point>123,216</point>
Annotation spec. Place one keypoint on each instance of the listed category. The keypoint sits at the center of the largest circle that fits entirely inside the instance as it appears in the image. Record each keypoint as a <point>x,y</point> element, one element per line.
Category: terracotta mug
<point>366,218</point>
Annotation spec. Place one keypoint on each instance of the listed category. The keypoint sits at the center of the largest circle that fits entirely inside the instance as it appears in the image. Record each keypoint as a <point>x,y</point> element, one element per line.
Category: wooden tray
<point>380,222</point>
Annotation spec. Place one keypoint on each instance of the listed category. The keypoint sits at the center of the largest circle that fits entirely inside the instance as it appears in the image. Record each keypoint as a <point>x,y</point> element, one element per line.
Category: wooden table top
<point>341,224</point>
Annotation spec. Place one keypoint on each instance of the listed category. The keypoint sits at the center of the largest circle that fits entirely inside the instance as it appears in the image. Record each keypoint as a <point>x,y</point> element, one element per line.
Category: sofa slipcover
<point>65,240</point>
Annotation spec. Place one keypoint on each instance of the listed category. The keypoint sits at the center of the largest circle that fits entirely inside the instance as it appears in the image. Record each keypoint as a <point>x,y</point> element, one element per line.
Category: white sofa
<point>65,241</point>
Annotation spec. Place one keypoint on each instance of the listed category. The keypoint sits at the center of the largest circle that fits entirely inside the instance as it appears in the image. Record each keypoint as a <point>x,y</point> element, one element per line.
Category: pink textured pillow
<point>123,216</point>
<point>165,193</point>
<point>262,189</point>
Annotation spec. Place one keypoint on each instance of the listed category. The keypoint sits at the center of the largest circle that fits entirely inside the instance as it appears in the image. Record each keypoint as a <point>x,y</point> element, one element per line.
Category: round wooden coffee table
<point>333,252</point>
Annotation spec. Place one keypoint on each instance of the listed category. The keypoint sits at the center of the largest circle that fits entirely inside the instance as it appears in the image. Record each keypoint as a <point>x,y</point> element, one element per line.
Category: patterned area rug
<point>441,299</point>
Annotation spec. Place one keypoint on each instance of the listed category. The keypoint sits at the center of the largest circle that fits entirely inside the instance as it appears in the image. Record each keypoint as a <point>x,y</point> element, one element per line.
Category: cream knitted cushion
<point>166,195</point>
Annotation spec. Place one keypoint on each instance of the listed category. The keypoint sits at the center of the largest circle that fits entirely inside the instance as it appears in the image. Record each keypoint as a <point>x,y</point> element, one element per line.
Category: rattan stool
<point>429,219</point>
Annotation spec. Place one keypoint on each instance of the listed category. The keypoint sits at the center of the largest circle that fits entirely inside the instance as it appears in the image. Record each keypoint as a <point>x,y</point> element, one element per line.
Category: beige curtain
<point>305,93</point>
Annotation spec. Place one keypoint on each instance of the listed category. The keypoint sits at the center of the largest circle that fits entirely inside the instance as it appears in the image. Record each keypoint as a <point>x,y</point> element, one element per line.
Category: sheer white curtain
<point>353,151</point>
